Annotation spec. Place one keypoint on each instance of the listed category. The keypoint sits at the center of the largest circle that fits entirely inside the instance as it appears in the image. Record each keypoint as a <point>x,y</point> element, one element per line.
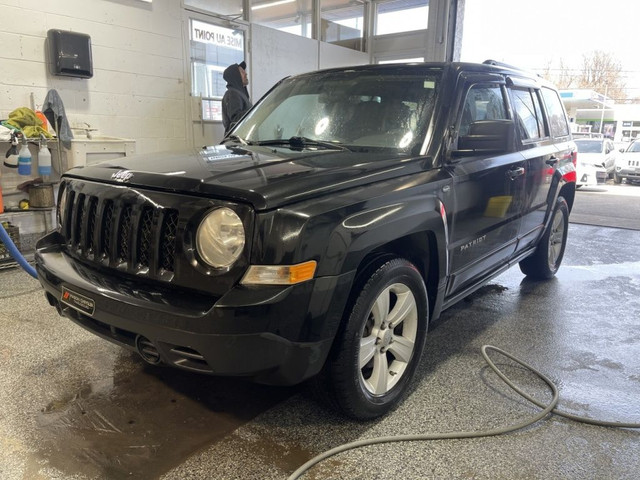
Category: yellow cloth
<point>26,120</point>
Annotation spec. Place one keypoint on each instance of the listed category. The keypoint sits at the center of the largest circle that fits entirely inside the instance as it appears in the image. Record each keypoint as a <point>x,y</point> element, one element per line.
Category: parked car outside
<point>596,160</point>
<point>344,212</point>
<point>628,164</point>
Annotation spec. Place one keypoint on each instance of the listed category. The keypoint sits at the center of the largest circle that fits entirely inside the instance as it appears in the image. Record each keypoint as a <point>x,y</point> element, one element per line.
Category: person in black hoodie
<point>236,99</point>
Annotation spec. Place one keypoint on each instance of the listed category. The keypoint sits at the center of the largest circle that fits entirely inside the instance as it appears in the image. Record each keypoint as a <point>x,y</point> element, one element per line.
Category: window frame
<point>538,109</point>
<point>487,83</point>
<point>550,113</point>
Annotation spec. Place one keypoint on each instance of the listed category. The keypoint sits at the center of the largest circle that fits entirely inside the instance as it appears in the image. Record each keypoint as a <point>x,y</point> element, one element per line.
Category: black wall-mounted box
<point>69,54</point>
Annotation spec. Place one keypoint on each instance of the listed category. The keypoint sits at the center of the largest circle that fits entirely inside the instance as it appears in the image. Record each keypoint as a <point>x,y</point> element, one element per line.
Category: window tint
<point>555,112</point>
<point>528,114</point>
<point>482,103</point>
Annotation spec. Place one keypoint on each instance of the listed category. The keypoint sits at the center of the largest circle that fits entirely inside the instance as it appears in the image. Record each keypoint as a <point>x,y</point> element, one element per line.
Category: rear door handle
<point>551,161</point>
<point>515,172</point>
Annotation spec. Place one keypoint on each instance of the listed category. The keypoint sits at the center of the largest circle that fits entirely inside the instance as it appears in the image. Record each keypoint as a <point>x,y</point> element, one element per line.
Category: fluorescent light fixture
<point>271,4</point>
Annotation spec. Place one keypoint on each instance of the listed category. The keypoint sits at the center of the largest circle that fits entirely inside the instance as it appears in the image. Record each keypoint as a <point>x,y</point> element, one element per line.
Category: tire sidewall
<point>367,404</point>
<point>561,208</point>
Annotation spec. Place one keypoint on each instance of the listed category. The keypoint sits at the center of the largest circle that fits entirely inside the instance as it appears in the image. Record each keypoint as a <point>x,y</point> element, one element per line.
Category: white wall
<point>138,85</point>
<point>276,54</point>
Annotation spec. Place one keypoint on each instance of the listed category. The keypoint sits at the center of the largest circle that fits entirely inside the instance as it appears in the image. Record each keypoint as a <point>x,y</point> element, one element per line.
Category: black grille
<point>136,237</point>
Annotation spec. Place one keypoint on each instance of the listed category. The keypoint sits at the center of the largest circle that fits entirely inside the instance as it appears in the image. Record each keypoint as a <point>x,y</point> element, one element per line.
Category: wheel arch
<point>419,248</point>
<point>568,192</point>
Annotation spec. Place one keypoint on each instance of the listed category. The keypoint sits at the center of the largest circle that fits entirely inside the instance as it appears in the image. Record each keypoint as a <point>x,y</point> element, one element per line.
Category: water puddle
<point>602,271</point>
<point>145,421</point>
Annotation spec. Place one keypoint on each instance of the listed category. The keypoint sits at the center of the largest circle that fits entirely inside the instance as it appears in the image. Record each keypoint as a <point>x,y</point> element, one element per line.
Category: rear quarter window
<point>555,112</point>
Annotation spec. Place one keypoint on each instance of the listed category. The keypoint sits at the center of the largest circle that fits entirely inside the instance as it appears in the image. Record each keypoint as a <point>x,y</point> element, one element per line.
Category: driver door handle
<point>515,173</point>
<point>551,161</point>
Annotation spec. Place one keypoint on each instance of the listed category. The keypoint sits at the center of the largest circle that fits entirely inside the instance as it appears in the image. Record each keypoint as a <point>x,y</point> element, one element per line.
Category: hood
<point>596,159</point>
<point>232,76</point>
<point>263,177</point>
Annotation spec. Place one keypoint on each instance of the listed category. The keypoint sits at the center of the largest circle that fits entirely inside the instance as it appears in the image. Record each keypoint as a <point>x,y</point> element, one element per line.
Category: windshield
<point>381,108</point>
<point>634,147</point>
<point>589,146</point>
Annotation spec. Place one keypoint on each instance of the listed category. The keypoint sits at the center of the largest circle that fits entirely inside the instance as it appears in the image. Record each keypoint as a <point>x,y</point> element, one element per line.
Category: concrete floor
<point>77,407</point>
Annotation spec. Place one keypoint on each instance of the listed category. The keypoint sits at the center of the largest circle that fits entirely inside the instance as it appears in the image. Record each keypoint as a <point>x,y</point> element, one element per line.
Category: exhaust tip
<point>147,350</point>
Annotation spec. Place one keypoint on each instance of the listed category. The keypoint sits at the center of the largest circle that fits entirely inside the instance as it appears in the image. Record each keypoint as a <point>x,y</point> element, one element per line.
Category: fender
<point>415,228</point>
<point>372,229</point>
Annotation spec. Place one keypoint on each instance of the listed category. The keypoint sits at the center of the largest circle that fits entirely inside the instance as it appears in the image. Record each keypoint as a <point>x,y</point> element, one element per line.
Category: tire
<point>617,178</point>
<point>377,351</point>
<point>546,259</point>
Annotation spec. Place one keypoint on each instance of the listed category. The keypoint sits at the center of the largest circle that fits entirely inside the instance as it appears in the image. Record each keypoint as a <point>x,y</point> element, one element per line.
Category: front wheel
<point>617,178</point>
<point>546,259</point>
<point>377,352</point>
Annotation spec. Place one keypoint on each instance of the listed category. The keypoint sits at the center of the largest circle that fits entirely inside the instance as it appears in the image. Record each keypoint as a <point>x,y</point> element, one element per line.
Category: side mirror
<point>487,136</point>
<point>622,150</point>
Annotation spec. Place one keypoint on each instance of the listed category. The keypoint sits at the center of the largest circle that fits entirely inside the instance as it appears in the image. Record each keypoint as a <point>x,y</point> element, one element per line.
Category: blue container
<point>24,161</point>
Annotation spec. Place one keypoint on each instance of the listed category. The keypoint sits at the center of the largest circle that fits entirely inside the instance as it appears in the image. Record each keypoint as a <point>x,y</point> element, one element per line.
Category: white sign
<point>220,36</point>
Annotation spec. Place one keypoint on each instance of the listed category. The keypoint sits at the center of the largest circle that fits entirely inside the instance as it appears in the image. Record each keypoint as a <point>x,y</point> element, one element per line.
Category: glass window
<point>555,111</point>
<point>589,146</point>
<point>292,16</point>
<point>342,23</point>
<point>213,49</point>
<point>396,16</point>
<point>528,114</point>
<point>482,103</point>
<point>223,7</point>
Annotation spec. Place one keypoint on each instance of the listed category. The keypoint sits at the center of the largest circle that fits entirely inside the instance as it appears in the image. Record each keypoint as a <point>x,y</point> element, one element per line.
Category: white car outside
<point>628,164</point>
<point>596,157</point>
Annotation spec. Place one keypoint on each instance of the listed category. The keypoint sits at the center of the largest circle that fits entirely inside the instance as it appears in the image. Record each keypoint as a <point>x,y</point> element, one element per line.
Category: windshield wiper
<point>303,142</point>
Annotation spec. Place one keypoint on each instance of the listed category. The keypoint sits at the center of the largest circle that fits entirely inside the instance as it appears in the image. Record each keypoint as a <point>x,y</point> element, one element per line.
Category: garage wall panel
<point>276,55</point>
<point>336,56</point>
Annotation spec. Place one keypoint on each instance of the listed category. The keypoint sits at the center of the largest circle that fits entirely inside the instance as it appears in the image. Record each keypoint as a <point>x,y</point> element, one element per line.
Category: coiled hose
<point>15,253</point>
<point>547,409</point>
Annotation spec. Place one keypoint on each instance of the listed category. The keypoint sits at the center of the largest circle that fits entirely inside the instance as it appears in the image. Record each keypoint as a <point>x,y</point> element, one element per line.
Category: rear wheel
<point>546,259</point>
<point>376,354</point>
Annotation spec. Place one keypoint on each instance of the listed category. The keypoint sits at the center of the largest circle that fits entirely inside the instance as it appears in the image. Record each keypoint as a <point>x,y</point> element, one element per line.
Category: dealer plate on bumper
<point>78,302</point>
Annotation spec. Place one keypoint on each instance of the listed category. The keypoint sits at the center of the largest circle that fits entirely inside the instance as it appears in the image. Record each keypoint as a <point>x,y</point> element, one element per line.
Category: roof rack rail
<point>500,64</point>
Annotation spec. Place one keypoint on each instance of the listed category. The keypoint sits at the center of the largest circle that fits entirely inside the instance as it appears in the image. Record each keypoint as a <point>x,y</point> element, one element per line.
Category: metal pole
<point>606,87</point>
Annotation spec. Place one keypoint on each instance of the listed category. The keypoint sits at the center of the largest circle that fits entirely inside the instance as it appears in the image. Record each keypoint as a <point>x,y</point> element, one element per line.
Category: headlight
<point>220,238</point>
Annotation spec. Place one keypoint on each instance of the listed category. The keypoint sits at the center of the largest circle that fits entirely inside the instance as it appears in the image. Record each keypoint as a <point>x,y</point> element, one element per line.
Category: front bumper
<point>589,175</point>
<point>275,335</point>
<point>630,173</point>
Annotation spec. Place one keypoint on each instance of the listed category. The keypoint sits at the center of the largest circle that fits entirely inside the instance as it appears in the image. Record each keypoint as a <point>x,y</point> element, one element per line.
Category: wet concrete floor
<point>77,407</point>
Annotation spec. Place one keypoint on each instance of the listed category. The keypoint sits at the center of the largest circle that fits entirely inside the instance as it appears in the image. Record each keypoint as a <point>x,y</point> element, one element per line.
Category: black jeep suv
<point>345,211</point>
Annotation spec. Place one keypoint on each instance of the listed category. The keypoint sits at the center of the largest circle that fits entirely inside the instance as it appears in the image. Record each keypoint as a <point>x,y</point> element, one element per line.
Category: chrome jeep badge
<point>122,176</point>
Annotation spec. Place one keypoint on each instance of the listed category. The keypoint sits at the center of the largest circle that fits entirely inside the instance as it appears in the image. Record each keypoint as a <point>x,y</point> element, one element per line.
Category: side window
<point>555,113</point>
<point>528,114</point>
<point>482,103</point>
